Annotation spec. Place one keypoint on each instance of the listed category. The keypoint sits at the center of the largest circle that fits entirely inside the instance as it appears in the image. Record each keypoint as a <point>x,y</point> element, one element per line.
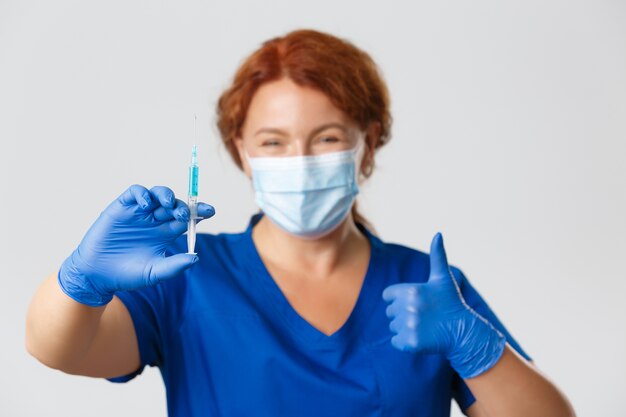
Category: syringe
<point>192,202</point>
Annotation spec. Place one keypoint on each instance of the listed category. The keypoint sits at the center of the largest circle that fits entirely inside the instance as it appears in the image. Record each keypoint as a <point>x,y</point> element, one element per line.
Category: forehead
<point>285,104</point>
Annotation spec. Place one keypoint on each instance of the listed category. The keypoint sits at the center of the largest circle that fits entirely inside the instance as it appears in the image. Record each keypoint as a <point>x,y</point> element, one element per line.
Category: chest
<point>233,354</point>
<point>241,350</point>
<point>325,303</point>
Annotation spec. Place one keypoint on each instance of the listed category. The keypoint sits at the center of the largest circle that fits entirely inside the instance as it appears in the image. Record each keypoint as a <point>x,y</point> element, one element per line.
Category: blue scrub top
<point>228,343</point>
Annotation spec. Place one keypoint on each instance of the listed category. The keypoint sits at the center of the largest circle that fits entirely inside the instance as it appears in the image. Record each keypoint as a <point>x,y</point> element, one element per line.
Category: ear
<point>242,157</point>
<point>372,136</point>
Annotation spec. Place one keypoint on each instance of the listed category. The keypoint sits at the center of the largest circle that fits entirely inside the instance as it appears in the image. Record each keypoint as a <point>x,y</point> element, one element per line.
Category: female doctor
<point>305,313</point>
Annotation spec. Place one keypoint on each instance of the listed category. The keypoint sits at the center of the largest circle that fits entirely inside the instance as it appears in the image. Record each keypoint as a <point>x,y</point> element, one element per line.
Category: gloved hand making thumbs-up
<point>433,317</point>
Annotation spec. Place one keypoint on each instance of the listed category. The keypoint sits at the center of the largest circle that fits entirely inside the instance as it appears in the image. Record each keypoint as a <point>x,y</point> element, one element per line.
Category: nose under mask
<point>308,196</point>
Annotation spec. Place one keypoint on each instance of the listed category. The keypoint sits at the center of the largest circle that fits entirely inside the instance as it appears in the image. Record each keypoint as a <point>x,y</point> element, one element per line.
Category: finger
<point>393,291</point>
<point>164,195</point>
<point>179,212</point>
<point>205,211</point>
<point>391,310</point>
<point>175,227</point>
<point>394,326</point>
<point>136,194</point>
<point>405,321</point>
<point>169,267</point>
<point>405,341</point>
<point>178,226</point>
<point>438,260</point>
<point>395,341</point>
<point>161,214</point>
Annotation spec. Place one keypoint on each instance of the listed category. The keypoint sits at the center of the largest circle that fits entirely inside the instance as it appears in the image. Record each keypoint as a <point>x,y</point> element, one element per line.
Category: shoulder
<point>403,261</point>
<point>402,253</point>
<point>408,260</point>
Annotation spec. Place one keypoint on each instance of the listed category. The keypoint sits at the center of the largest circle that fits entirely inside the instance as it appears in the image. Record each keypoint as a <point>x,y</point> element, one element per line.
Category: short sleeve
<point>144,306</point>
<point>461,393</point>
<point>156,312</point>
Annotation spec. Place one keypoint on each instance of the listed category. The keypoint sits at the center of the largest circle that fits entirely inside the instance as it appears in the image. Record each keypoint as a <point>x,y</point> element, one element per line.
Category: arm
<point>476,410</point>
<point>78,339</point>
<point>515,387</point>
<point>434,317</point>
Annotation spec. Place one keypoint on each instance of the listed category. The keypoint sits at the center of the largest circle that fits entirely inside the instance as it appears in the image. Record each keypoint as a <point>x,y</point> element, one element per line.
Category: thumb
<point>438,260</point>
<point>169,267</point>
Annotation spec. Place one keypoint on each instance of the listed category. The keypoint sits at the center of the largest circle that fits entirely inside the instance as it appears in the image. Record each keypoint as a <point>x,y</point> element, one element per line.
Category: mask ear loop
<point>359,154</point>
<point>246,160</point>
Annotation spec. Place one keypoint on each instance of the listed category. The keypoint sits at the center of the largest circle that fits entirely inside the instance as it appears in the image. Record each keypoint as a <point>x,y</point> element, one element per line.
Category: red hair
<point>346,74</point>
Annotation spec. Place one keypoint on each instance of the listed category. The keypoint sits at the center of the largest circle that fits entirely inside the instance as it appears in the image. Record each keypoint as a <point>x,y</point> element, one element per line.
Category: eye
<point>270,142</point>
<point>329,139</point>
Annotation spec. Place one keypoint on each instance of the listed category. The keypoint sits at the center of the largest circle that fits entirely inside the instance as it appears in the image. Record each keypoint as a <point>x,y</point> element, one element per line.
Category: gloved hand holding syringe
<point>125,248</point>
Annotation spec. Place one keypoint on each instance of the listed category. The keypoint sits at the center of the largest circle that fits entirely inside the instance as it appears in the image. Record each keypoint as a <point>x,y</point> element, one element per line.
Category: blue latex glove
<point>125,247</point>
<point>433,317</point>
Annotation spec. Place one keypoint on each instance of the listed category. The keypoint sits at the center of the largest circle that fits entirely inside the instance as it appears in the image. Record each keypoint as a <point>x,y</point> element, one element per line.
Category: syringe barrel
<point>192,203</point>
<point>191,236</point>
<point>193,181</point>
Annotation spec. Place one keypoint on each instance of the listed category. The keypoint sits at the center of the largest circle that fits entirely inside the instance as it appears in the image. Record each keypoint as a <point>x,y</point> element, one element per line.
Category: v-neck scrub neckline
<point>370,290</point>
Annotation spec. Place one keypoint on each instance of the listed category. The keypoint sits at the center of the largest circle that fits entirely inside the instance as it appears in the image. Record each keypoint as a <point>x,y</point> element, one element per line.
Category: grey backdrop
<point>509,137</point>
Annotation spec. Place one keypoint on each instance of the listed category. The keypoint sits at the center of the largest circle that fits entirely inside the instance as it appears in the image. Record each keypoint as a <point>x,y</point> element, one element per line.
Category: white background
<point>509,137</point>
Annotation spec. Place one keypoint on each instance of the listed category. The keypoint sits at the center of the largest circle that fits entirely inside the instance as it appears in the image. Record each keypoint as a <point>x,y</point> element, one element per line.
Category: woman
<point>307,312</point>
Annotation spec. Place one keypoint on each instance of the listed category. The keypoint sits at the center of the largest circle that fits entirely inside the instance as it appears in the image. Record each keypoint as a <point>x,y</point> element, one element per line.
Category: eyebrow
<point>315,131</point>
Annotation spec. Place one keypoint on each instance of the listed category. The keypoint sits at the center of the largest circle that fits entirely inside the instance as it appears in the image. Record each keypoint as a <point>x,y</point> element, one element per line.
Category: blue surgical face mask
<point>308,196</point>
